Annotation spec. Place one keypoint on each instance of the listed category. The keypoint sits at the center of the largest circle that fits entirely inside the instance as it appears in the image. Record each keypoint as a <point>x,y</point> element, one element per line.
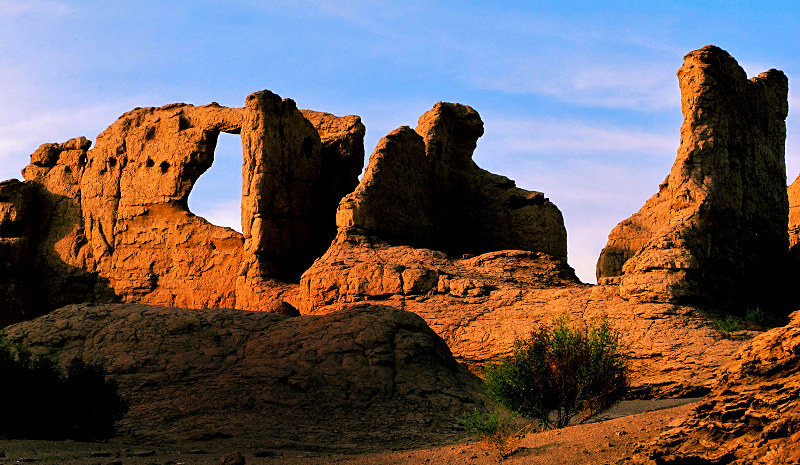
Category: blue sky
<point>579,99</point>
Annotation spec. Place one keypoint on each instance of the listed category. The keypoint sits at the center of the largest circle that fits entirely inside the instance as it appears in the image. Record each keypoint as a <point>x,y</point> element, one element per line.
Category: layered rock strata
<point>752,414</point>
<point>368,375</point>
<point>716,230</point>
<point>112,222</point>
<point>422,189</point>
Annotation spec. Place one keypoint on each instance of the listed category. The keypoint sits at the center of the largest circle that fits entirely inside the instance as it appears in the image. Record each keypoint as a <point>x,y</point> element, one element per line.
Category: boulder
<point>716,230</point>
<point>368,374</point>
<point>751,415</point>
<point>422,189</point>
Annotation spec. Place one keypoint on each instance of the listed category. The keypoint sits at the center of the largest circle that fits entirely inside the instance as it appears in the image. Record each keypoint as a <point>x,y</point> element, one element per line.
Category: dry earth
<point>603,442</point>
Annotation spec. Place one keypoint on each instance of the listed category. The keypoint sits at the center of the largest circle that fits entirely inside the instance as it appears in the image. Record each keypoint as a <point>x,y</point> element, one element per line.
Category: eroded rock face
<point>715,230</point>
<point>369,374</point>
<point>422,189</point>
<point>751,415</point>
<point>112,222</point>
<point>480,305</point>
<point>793,193</point>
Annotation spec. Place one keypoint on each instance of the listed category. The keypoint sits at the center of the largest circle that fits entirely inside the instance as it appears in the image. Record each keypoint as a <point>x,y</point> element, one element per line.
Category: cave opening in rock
<point>217,195</point>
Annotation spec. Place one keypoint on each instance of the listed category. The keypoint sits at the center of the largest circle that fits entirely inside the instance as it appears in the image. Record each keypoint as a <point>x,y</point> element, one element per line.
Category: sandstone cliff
<point>112,222</point>
<point>369,375</point>
<point>752,415</point>
<point>716,230</point>
<point>422,189</point>
<point>793,193</point>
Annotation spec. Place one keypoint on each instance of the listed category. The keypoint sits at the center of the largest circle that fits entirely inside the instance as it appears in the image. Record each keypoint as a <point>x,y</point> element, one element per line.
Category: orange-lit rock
<point>716,230</point>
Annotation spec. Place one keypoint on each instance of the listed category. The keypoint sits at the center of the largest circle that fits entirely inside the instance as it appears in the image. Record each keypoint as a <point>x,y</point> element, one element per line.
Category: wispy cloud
<point>572,138</point>
<point>642,87</point>
<point>11,8</point>
<point>223,213</point>
<point>21,135</point>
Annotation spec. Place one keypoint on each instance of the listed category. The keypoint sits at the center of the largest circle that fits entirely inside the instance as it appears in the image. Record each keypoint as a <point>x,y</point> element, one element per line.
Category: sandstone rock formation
<point>479,306</point>
<point>366,375</point>
<point>112,222</point>
<point>752,415</point>
<point>793,193</point>
<point>716,230</point>
<point>422,189</point>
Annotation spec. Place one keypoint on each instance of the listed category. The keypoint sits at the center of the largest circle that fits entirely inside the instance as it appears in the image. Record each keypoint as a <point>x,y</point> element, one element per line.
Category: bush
<point>38,401</point>
<point>761,318</point>
<point>561,372</point>
<point>727,326</point>
<point>499,434</point>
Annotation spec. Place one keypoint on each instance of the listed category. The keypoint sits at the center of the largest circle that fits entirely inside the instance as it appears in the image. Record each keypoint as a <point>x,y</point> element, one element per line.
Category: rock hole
<point>150,134</point>
<point>164,167</point>
<point>183,123</point>
<point>112,162</point>
<point>217,194</point>
<point>150,163</point>
<point>82,160</point>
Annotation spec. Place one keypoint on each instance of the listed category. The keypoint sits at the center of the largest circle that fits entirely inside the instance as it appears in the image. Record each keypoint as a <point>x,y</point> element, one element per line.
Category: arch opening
<point>217,194</point>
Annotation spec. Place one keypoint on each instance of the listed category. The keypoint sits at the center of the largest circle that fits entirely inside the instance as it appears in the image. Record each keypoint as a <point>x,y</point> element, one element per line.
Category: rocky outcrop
<point>480,305</point>
<point>752,415</point>
<point>112,222</point>
<point>716,229</point>
<point>369,374</point>
<point>422,189</point>
<point>793,193</point>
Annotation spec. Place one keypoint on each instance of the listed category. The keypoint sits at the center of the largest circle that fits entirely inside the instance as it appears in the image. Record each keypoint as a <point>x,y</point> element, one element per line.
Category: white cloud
<point>642,87</point>
<point>226,213</point>
<point>22,130</point>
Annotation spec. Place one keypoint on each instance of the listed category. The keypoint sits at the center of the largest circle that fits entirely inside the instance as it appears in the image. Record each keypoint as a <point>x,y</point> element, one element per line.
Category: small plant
<point>760,318</point>
<point>562,372</point>
<point>499,434</point>
<point>38,401</point>
<point>727,326</point>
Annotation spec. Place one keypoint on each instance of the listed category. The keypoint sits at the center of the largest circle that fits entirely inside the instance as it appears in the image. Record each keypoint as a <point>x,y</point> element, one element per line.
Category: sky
<point>579,99</point>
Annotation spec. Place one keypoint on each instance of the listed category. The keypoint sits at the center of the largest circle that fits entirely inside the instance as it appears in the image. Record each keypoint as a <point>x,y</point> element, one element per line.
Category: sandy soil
<point>607,441</point>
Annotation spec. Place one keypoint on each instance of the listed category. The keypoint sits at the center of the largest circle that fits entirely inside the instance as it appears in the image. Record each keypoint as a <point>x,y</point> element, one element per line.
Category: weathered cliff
<point>716,230</point>
<point>112,222</point>
<point>422,189</point>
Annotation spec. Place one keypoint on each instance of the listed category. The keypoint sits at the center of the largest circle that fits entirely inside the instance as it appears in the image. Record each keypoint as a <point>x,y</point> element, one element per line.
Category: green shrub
<point>499,434</point>
<point>561,372</point>
<point>760,318</point>
<point>38,401</point>
<point>727,326</point>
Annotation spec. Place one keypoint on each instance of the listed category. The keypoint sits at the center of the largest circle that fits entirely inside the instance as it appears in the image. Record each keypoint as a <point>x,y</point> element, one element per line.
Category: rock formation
<point>716,230</point>
<point>112,222</point>
<point>793,193</point>
<point>422,189</point>
<point>369,374</point>
<point>752,414</point>
<point>480,305</point>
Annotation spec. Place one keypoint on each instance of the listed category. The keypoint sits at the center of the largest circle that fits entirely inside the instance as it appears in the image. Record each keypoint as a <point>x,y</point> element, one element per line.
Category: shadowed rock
<point>421,188</point>
<point>716,230</point>
<point>369,374</point>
